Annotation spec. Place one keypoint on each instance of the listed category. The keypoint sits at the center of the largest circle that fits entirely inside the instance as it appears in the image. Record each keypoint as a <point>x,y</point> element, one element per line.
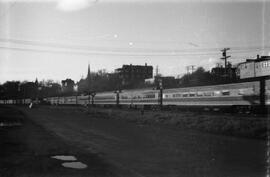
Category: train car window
<point>246,91</point>
<point>185,94</point>
<point>104,97</point>
<point>208,93</point>
<point>149,96</point>
<point>199,93</point>
<point>192,94</point>
<point>226,93</point>
<point>177,95</point>
<point>124,97</point>
<point>217,93</point>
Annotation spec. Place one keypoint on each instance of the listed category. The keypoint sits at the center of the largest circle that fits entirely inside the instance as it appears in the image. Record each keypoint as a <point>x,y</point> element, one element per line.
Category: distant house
<point>222,72</point>
<point>167,81</point>
<point>68,86</point>
<point>132,75</point>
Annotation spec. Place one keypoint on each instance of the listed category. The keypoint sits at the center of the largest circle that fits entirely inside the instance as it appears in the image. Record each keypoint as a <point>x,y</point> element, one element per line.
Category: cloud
<point>210,63</point>
<point>72,5</point>
<point>130,1</point>
<point>64,5</point>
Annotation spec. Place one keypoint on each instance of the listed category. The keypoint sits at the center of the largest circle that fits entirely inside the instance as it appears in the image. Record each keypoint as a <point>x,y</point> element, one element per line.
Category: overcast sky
<point>56,39</point>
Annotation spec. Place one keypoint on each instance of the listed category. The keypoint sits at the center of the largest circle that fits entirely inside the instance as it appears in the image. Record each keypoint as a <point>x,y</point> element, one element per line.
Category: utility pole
<point>192,68</point>
<point>225,57</point>
<point>157,70</point>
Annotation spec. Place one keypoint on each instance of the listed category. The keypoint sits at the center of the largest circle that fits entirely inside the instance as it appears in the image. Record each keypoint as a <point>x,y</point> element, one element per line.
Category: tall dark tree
<point>12,90</point>
<point>28,90</point>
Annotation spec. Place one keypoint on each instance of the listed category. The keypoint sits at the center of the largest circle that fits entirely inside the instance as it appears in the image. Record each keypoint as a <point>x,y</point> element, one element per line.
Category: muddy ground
<point>26,149</point>
<point>141,148</point>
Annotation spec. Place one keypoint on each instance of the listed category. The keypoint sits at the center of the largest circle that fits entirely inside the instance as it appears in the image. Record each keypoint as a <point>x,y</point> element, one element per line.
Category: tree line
<point>102,81</point>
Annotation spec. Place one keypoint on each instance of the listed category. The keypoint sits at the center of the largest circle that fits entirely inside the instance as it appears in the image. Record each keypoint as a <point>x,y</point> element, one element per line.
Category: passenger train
<point>246,94</point>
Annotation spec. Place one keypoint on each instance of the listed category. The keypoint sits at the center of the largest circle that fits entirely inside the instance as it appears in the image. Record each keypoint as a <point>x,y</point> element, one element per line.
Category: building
<point>252,68</point>
<point>167,81</point>
<point>68,86</point>
<point>226,73</point>
<point>132,75</point>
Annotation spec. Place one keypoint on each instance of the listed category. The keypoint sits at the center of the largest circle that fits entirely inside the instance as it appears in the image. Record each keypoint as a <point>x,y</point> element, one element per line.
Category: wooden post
<point>161,98</point>
<point>93,94</point>
<point>117,98</point>
<point>161,94</point>
<point>262,94</point>
<point>88,98</point>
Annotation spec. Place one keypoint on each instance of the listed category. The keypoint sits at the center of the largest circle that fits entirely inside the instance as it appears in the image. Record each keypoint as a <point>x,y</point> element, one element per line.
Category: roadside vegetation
<point>249,126</point>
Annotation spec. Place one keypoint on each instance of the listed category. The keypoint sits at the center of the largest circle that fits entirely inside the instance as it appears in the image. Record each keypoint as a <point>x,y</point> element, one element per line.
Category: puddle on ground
<point>76,165</point>
<point>2,124</point>
<point>64,157</point>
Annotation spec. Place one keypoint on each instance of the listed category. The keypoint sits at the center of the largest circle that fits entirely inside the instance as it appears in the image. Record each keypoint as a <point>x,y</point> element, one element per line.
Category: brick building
<point>133,75</point>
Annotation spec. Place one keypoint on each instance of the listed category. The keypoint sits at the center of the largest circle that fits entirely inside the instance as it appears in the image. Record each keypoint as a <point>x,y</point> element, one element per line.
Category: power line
<point>61,45</point>
<point>97,52</point>
<point>115,53</point>
<point>84,47</point>
<point>88,50</point>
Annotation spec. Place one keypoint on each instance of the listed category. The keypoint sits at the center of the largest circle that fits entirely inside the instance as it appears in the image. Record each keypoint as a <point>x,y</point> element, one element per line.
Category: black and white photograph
<point>134,88</point>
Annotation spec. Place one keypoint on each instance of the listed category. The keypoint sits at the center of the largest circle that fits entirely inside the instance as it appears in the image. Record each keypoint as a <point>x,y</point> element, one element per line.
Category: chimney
<point>258,57</point>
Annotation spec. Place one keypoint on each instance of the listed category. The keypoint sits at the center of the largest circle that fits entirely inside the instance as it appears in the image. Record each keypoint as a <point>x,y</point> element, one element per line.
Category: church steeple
<point>36,82</point>
<point>88,78</point>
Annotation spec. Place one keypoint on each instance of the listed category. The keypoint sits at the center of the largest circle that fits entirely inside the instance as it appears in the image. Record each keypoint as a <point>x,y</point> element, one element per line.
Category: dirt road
<point>154,150</point>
